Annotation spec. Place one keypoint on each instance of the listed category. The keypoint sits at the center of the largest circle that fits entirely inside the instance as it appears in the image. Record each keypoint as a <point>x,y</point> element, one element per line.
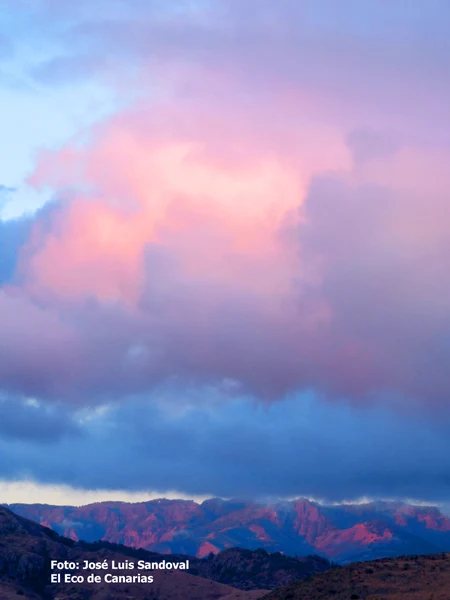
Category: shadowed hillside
<point>257,569</point>
<point>27,548</point>
<point>403,578</point>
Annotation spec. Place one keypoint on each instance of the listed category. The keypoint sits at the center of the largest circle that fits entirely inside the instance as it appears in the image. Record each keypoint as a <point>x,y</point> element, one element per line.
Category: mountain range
<point>26,551</point>
<point>342,533</point>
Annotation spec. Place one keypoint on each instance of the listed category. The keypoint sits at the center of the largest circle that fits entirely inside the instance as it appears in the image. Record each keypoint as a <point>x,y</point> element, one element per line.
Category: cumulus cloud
<point>267,207</point>
<point>381,256</point>
<point>213,242</point>
<point>348,295</point>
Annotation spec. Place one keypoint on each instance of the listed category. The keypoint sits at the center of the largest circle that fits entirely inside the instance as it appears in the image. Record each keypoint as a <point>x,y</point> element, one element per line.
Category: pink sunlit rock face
<point>341,533</point>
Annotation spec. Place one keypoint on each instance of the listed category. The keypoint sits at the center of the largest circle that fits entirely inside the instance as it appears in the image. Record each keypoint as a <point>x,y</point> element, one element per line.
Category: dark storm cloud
<point>30,421</point>
<point>300,446</point>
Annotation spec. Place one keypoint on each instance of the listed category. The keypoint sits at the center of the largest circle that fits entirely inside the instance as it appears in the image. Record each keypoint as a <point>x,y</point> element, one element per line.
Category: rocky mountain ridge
<point>343,533</point>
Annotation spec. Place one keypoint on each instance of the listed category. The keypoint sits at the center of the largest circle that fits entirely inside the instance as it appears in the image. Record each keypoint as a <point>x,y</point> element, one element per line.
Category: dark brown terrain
<point>403,578</point>
<point>343,534</point>
<point>257,569</point>
<point>27,548</point>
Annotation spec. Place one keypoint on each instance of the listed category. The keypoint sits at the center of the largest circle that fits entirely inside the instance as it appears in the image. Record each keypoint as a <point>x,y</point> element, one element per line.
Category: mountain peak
<point>297,527</point>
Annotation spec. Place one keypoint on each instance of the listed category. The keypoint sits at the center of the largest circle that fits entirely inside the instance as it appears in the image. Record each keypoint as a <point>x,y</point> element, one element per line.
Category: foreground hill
<point>404,578</point>
<point>344,533</point>
<point>27,548</point>
<point>257,569</point>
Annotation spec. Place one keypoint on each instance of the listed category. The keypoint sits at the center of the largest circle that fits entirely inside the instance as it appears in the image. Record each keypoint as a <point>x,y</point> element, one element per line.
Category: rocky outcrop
<point>300,527</point>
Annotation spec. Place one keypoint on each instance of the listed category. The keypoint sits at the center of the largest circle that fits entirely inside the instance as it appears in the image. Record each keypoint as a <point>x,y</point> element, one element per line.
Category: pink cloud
<point>139,186</point>
<point>220,283</point>
<point>245,223</point>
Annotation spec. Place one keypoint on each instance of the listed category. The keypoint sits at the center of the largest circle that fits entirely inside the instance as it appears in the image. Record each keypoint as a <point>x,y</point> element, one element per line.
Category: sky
<point>224,249</point>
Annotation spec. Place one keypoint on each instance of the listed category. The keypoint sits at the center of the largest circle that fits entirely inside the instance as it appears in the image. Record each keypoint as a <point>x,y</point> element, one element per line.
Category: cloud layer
<point>202,443</point>
<point>264,216</point>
